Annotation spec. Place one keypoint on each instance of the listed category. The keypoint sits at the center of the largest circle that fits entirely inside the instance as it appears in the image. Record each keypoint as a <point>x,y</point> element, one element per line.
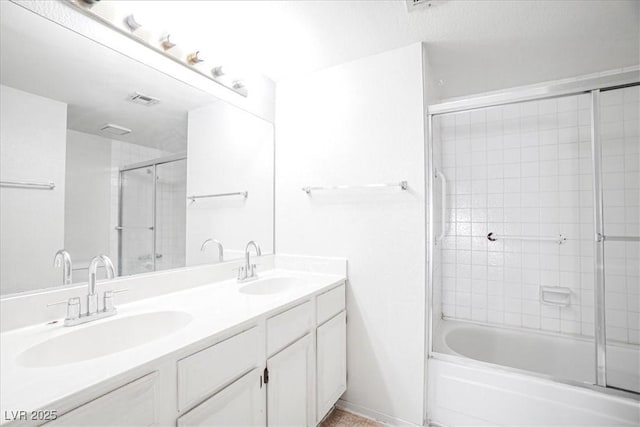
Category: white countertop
<point>215,308</point>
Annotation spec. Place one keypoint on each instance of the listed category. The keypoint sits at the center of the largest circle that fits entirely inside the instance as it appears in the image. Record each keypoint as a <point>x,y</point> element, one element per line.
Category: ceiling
<point>473,46</point>
<point>43,58</point>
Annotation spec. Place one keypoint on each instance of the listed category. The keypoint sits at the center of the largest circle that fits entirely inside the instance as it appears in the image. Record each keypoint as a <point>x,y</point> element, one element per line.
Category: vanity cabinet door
<point>290,387</point>
<point>134,404</point>
<point>241,403</point>
<point>331,363</point>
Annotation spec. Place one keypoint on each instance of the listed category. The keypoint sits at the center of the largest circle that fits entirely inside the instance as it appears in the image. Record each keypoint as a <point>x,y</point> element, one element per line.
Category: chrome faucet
<point>63,259</point>
<point>220,248</point>
<point>74,314</point>
<point>248,271</point>
<point>92,296</point>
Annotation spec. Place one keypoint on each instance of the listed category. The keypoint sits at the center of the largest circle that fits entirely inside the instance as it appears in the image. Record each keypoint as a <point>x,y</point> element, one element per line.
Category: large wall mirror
<point>101,154</point>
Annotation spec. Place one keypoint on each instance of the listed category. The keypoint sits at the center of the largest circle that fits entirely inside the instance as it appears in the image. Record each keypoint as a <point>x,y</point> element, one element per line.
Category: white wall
<point>32,147</point>
<point>87,201</point>
<point>358,123</point>
<point>229,150</point>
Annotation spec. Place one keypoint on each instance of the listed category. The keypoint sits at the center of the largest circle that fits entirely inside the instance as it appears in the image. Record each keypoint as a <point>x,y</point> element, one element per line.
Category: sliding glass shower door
<point>513,229</point>
<point>136,244</point>
<point>152,220</point>
<point>535,233</point>
<point>619,132</point>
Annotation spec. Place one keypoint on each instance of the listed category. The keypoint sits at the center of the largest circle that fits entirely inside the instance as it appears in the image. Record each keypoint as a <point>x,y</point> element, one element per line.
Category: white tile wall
<point>171,215</point>
<point>525,169</point>
<point>521,169</point>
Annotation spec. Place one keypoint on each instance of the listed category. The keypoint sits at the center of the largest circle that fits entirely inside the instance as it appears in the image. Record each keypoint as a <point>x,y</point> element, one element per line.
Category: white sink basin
<point>270,286</point>
<point>103,338</point>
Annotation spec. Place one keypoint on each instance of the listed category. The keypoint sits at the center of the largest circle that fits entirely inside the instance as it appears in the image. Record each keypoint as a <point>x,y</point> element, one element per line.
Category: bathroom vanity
<point>141,173</point>
<point>271,351</point>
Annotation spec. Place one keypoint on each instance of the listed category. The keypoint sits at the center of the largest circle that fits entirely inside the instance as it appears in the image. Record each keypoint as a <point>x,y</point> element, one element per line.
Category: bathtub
<point>464,392</point>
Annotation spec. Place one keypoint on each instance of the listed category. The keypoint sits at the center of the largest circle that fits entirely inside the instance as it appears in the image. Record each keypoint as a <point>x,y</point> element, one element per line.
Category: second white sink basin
<point>103,338</point>
<point>270,286</point>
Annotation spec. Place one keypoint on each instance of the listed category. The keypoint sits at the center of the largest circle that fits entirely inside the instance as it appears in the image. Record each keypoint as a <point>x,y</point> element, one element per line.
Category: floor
<point>339,418</point>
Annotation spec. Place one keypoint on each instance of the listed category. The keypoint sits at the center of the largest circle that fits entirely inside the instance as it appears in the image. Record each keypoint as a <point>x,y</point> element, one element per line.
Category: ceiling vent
<point>413,5</point>
<point>146,100</point>
<point>115,129</point>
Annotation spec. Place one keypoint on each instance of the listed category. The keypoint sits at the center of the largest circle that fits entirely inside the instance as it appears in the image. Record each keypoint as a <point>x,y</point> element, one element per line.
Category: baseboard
<point>372,414</point>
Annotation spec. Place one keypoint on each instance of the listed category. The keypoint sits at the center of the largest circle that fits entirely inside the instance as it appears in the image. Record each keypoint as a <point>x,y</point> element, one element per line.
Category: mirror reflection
<point>101,154</point>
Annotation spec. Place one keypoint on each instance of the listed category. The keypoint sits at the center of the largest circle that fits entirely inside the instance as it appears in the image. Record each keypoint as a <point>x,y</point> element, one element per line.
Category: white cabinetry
<point>288,369</point>
<point>134,404</point>
<point>241,403</point>
<point>290,385</point>
<point>331,362</point>
<point>202,373</point>
<point>331,349</point>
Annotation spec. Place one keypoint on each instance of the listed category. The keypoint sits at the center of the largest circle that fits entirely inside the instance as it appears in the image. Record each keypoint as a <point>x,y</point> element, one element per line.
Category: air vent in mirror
<point>115,129</point>
<point>141,99</point>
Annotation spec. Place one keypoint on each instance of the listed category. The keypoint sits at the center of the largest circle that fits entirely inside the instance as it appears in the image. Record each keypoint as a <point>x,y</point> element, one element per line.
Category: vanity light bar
<point>132,23</point>
<point>130,26</point>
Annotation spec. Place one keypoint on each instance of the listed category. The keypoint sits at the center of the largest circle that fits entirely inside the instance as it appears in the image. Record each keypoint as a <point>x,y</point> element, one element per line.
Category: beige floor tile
<point>339,418</point>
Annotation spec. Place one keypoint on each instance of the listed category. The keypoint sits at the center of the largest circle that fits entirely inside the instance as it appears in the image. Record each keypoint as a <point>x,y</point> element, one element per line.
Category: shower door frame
<point>119,228</point>
<point>589,85</point>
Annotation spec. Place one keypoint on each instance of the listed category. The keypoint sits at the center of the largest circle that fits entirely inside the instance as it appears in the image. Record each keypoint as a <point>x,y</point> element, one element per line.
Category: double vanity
<point>148,168</point>
<point>187,347</point>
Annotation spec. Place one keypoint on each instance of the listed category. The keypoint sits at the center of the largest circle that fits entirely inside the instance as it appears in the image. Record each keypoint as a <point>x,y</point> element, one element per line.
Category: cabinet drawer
<point>285,328</point>
<point>239,404</point>
<point>133,404</point>
<point>206,371</point>
<point>330,303</point>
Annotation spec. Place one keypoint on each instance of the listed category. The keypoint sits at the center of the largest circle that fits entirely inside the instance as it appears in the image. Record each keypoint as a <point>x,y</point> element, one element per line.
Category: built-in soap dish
<point>555,295</point>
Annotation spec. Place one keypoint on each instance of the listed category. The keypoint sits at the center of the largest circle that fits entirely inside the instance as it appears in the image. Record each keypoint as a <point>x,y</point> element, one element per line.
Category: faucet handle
<point>108,299</point>
<point>242,273</point>
<point>73,308</point>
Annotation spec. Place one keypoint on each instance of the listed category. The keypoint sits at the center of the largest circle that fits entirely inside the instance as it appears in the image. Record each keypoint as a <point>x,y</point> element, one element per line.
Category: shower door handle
<point>443,203</point>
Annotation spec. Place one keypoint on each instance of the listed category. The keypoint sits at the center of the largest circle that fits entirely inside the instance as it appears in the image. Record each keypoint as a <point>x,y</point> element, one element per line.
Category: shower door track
<point>590,85</point>
<point>120,228</point>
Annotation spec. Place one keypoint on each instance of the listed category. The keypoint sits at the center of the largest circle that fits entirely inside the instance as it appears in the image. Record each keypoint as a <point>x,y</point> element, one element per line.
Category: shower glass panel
<point>137,200</point>
<point>512,223</point>
<point>171,194</point>
<point>620,146</point>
